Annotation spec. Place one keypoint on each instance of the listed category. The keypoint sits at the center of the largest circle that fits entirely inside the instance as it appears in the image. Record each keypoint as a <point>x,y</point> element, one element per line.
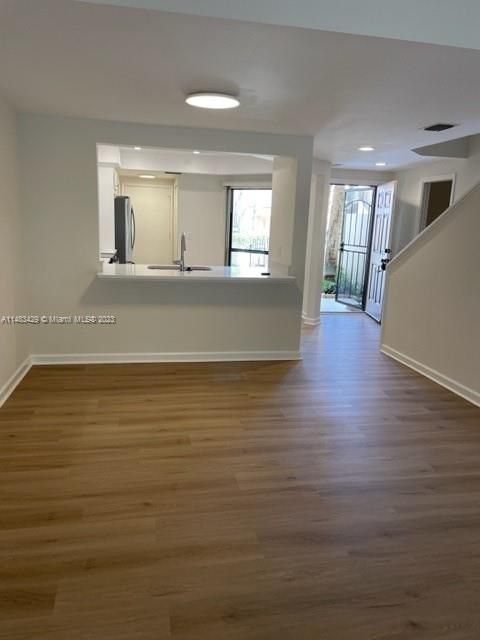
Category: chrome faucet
<point>183,248</point>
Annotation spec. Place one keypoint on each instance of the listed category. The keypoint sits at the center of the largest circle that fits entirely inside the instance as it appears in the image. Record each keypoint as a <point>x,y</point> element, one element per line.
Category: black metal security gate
<point>354,246</point>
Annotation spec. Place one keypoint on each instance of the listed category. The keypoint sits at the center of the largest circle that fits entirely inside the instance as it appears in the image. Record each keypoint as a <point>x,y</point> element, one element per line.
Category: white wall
<point>409,190</point>
<point>260,180</point>
<point>13,339</point>
<point>432,306</point>
<point>206,163</point>
<point>359,177</point>
<point>201,214</point>
<point>109,154</point>
<point>61,221</point>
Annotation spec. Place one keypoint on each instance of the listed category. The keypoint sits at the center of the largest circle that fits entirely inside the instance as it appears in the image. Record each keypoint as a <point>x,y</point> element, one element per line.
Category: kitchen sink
<point>198,268</point>
<point>176,267</point>
<point>163,267</point>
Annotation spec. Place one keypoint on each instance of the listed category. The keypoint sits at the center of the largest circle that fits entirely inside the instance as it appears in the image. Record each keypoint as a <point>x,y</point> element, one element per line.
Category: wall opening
<point>437,197</point>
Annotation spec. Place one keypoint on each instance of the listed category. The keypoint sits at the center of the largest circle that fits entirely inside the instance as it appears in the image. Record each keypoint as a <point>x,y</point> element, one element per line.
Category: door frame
<point>368,247</point>
<point>367,185</point>
<point>425,192</point>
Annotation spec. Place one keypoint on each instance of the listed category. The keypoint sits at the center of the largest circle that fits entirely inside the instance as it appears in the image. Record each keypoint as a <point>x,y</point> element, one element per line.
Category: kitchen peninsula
<point>204,274</point>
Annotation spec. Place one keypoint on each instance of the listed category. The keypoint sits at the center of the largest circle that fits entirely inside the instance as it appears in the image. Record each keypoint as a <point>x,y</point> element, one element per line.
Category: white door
<point>153,207</point>
<point>380,249</point>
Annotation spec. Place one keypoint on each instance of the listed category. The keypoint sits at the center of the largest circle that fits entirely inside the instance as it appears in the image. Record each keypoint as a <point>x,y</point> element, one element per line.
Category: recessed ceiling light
<point>366,148</point>
<point>147,176</point>
<point>137,148</point>
<point>196,153</point>
<point>380,164</point>
<point>208,100</point>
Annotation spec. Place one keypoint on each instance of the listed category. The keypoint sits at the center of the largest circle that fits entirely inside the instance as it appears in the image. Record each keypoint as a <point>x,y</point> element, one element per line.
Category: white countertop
<point>221,274</point>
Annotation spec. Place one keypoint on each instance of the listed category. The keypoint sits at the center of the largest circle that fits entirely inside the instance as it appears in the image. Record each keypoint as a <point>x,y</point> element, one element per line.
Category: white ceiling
<point>179,160</point>
<point>73,58</point>
<point>445,22</point>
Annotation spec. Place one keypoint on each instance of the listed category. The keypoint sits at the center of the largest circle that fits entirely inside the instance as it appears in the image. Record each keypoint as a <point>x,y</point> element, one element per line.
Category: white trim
<point>311,322</point>
<point>452,385</point>
<point>124,358</point>
<point>423,195</point>
<point>14,380</point>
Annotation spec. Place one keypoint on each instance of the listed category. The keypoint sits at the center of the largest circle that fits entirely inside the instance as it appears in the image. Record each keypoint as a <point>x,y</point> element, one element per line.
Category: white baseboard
<point>14,380</point>
<point>452,385</point>
<point>124,358</point>
<point>311,322</point>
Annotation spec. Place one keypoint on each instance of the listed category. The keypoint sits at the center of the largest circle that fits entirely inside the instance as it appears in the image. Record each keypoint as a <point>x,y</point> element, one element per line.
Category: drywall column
<point>317,224</point>
<point>106,208</point>
<point>284,185</point>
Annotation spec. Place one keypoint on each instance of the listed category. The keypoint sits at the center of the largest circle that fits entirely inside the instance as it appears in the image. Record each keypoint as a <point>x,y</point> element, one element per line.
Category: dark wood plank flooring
<point>337,498</point>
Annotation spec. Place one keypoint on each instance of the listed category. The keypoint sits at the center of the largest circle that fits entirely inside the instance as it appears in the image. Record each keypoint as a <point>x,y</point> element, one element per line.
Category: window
<point>250,212</point>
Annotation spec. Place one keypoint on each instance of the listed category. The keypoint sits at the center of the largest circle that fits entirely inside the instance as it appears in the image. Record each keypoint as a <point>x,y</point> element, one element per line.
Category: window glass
<point>250,227</point>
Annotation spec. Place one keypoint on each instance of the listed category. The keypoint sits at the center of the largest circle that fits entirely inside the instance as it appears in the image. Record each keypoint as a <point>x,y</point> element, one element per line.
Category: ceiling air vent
<point>440,127</point>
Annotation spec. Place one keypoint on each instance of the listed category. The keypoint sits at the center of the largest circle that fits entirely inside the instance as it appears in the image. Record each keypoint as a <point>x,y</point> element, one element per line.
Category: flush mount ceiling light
<point>147,176</point>
<point>366,148</point>
<point>209,100</point>
<point>137,148</point>
<point>197,153</point>
<point>380,164</point>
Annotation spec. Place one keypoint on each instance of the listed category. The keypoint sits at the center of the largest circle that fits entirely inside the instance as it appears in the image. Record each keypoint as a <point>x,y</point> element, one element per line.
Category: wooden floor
<point>336,498</point>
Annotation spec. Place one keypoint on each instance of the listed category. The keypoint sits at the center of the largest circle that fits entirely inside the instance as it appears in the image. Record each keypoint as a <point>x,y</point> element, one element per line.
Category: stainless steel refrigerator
<point>124,229</point>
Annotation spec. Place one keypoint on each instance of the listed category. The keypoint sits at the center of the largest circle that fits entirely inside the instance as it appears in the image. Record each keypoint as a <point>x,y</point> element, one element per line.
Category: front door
<point>381,251</point>
<point>352,263</point>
